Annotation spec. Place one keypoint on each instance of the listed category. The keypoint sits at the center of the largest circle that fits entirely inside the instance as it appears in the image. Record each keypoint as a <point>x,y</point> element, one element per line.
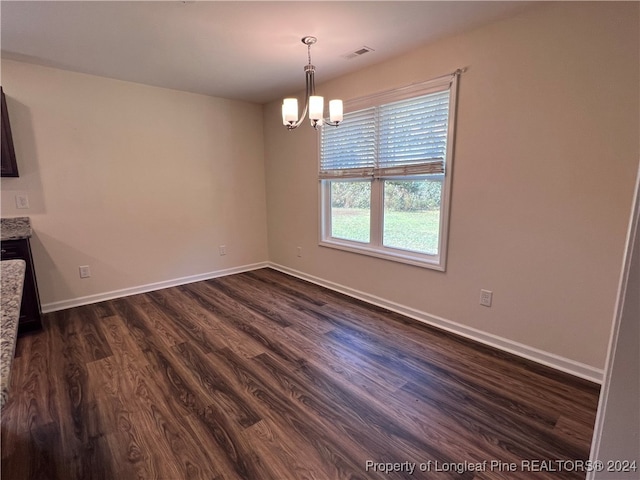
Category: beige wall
<point>546,155</point>
<point>140,183</point>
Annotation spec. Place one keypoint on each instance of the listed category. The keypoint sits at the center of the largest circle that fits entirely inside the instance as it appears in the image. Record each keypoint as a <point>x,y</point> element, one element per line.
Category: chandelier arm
<point>309,87</point>
<point>312,89</point>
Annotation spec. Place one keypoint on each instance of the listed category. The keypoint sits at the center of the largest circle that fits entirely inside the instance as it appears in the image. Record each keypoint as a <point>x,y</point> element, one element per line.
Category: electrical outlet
<point>22,200</point>
<point>486,296</point>
<point>222,249</point>
<point>299,251</point>
<point>85,271</point>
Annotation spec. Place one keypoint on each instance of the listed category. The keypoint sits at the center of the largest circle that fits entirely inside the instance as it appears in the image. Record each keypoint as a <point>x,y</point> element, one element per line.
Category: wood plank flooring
<point>262,376</point>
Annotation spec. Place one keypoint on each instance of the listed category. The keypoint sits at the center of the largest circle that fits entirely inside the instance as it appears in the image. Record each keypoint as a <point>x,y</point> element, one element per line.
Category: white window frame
<point>375,247</point>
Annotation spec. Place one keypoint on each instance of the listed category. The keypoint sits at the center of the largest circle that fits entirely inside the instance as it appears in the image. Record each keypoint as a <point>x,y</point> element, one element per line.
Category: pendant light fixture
<point>313,104</point>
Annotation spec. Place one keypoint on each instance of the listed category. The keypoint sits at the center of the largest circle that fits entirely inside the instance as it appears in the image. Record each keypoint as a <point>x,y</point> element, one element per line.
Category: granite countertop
<point>12,279</point>
<point>15,228</point>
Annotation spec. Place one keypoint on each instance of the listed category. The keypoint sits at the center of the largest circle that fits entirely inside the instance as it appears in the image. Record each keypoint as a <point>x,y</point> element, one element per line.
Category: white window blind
<point>406,137</point>
<point>350,149</point>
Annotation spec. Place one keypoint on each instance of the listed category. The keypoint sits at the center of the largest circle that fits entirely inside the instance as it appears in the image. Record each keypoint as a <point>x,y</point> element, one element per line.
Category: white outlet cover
<point>85,271</point>
<point>486,296</point>
<point>22,200</point>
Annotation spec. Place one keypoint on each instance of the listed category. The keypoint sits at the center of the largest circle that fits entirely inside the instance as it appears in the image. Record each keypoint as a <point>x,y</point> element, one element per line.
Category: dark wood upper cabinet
<point>9,164</point>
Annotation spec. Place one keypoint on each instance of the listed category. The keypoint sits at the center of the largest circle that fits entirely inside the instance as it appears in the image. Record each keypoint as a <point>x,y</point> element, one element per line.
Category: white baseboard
<point>545,358</point>
<point>539,356</point>
<point>125,292</point>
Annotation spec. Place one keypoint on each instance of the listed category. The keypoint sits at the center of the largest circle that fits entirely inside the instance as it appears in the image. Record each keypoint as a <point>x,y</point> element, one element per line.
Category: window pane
<point>412,214</point>
<point>351,210</point>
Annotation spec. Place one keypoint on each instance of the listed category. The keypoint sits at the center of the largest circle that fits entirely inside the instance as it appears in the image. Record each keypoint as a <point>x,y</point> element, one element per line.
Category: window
<point>385,174</point>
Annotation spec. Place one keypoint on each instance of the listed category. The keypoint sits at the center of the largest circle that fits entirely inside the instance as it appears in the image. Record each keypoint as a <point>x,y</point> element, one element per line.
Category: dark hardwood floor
<point>263,376</point>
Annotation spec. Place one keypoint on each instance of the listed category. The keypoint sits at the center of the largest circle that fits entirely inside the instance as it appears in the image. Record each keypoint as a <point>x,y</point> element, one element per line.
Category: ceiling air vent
<point>359,52</point>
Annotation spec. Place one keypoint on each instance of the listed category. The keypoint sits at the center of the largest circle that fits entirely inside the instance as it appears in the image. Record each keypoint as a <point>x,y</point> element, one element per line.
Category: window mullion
<point>325,209</point>
<point>377,201</point>
<point>377,195</point>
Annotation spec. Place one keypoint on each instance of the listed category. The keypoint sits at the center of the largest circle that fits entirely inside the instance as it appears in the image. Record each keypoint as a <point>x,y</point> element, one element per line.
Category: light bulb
<point>289,110</point>
<point>335,111</point>
<point>316,106</point>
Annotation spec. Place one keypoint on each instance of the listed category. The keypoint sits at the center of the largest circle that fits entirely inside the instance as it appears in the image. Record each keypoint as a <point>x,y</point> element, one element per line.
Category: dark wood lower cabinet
<point>30,311</point>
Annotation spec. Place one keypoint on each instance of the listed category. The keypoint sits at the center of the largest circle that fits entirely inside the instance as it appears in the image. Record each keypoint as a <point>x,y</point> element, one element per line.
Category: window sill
<point>432,262</point>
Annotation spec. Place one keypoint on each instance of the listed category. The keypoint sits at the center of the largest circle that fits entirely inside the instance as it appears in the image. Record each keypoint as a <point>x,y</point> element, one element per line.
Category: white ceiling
<point>238,49</point>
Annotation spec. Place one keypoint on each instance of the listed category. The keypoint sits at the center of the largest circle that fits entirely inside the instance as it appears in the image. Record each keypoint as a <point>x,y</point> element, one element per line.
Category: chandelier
<point>313,104</point>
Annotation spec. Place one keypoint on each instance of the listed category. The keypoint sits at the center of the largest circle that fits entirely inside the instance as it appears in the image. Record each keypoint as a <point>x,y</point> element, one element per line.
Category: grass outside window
<point>414,231</point>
